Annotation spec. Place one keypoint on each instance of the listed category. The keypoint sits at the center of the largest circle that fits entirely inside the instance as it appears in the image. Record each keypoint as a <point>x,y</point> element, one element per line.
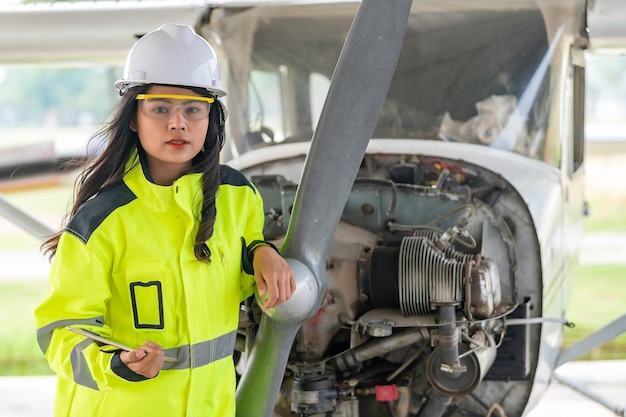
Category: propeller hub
<point>303,303</point>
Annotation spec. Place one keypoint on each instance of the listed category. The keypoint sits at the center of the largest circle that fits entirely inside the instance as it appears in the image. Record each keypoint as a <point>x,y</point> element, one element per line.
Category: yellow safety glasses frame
<point>164,106</point>
<point>174,97</point>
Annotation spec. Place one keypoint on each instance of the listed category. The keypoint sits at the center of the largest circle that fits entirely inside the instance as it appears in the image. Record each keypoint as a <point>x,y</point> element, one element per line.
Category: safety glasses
<point>162,106</point>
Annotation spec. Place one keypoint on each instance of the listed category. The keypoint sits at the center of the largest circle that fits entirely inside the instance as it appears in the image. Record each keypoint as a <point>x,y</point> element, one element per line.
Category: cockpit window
<point>473,76</point>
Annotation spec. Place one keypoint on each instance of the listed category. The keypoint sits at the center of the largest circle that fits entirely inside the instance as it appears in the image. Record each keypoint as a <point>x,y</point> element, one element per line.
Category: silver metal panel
<point>93,31</point>
<point>24,220</point>
<point>607,30</point>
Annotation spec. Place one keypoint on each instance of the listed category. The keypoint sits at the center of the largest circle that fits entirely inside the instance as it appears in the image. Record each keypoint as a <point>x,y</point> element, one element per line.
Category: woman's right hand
<point>146,360</point>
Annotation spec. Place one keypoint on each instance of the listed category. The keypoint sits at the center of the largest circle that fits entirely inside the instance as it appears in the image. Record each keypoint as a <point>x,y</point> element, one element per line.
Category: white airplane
<point>422,166</point>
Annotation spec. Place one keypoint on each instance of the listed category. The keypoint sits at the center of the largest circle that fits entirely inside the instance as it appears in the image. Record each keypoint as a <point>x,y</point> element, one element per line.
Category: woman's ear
<point>133,126</point>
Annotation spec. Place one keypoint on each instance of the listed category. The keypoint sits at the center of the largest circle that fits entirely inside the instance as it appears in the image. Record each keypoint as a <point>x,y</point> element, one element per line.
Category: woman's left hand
<point>273,275</point>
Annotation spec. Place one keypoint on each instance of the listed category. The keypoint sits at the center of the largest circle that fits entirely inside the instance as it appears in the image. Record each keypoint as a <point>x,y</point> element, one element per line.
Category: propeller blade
<point>356,95</point>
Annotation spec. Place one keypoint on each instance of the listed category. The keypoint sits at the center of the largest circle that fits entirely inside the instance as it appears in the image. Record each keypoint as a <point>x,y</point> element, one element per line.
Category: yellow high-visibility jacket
<point>125,269</point>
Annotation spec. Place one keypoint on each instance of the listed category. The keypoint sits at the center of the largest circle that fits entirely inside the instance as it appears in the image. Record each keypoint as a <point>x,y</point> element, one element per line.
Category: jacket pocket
<point>147,304</point>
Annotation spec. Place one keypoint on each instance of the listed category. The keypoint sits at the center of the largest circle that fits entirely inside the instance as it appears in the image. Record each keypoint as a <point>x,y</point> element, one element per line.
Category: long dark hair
<point>109,167</point>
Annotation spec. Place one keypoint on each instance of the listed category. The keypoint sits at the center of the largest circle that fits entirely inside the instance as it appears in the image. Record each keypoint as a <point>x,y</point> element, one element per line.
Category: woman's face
<point>172,127</point>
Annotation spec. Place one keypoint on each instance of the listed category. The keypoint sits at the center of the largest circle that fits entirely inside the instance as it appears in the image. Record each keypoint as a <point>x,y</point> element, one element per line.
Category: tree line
<point>38,96</point>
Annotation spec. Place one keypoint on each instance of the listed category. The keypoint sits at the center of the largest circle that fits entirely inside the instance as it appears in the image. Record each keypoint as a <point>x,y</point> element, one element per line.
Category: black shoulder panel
<point>91,214</point>
<point>230,176</point>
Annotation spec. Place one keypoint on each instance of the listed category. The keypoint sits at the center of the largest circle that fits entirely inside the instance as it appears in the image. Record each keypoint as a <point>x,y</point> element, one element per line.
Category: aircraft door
<point>573,171</point>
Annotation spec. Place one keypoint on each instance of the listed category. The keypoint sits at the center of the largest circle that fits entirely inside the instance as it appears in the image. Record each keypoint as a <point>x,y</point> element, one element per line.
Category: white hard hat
<point>175,55</point>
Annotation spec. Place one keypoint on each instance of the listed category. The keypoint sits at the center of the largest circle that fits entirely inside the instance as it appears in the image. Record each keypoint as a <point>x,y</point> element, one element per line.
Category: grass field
<point>598,298</point>
<point>599,295</point>
<point>20,354</point>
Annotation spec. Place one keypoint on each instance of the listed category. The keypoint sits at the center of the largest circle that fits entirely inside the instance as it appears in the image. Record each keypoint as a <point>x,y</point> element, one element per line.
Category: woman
<point>161,247</point>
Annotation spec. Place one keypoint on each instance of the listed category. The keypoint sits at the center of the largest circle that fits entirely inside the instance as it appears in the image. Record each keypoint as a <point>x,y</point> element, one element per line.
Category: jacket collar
<point>184,192</point>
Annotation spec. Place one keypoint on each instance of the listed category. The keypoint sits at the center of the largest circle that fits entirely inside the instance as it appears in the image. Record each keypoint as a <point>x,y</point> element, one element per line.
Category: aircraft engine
<point>421,276</point>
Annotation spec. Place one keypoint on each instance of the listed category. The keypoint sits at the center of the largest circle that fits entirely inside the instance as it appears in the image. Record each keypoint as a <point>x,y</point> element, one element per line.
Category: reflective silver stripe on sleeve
<point>183,356</point>
<point>44,334</point>
<point>202,353</point>
<point>80,369</point>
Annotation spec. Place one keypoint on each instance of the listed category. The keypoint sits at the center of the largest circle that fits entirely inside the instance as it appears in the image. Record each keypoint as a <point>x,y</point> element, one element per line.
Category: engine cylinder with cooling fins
<point>423,273</point>
<point>429,276</point>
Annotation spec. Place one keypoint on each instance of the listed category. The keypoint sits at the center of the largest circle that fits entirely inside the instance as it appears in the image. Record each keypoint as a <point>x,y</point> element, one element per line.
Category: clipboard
<point>98,338</point>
